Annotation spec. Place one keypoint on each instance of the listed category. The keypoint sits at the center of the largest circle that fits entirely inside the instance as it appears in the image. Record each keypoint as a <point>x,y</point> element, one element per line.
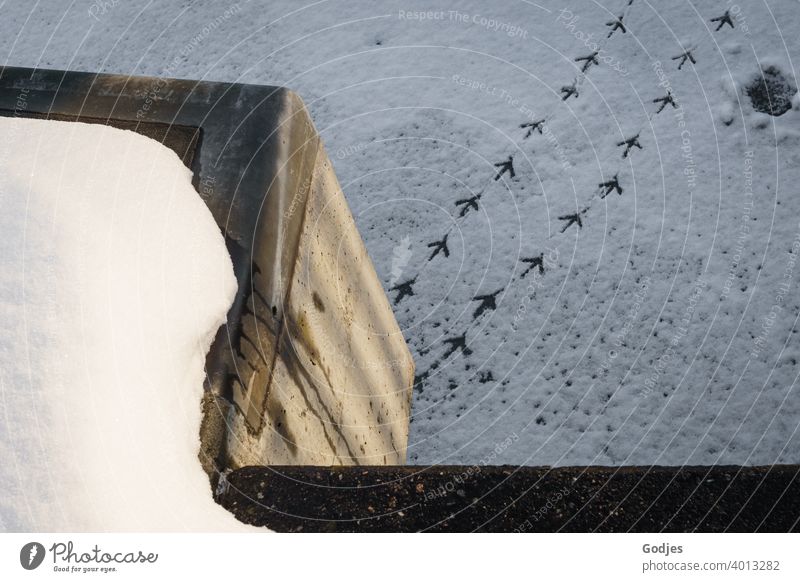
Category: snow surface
<point>678,275</point>
<point>113,280</point>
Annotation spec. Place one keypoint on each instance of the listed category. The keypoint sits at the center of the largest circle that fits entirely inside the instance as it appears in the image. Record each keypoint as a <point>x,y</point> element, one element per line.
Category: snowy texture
<point>114,279</point>
<point>660,327</point>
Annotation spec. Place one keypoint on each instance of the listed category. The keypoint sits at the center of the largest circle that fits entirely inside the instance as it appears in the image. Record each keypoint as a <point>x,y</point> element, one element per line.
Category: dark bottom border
<point>506,498</point>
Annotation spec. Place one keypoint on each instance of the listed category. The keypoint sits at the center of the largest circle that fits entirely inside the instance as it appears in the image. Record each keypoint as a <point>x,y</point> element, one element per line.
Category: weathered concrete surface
<point>310,367</point>
<point>523,499</point>
<point>341,374</point>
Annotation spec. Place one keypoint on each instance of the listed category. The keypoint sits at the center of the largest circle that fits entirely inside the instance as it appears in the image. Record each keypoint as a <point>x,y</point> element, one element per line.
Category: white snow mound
<point>113,282</point>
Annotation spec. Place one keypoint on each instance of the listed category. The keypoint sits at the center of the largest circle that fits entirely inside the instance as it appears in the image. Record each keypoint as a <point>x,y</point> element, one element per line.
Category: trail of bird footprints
<point>488,302</point>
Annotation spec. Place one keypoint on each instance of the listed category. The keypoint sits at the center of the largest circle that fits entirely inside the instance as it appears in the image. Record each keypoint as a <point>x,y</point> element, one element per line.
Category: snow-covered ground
<point>662,328</point>
<point>113,281</point>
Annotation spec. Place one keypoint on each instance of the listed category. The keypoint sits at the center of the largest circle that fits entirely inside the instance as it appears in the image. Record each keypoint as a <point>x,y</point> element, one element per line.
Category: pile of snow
<point>113,280</point>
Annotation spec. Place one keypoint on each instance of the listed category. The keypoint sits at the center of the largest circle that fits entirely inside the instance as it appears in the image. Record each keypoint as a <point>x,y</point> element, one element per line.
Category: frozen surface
<point>651,336</point>
<point>114,278</point>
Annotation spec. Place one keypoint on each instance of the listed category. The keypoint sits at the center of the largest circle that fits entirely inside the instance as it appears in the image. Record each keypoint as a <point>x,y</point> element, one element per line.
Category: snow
<point>114,279</point>
<point>679,275</point>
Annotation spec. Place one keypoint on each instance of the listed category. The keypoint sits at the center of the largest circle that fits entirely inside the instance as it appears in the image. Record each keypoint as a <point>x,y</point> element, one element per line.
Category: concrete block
<point>340,389</point>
